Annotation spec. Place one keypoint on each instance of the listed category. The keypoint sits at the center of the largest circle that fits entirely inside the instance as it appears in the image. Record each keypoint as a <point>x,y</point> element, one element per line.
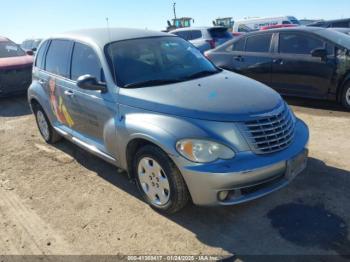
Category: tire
<point>166,178</point>
<point>47,132</point>
<point>345,99</point>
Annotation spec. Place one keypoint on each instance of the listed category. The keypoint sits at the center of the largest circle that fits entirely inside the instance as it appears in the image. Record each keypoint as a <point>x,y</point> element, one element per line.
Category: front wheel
<point>46,130</point>
<point>346,96</point>
<point>159,180</point>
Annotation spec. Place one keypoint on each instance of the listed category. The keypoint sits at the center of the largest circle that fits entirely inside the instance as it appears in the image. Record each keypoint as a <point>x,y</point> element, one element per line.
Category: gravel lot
<point>62,200</point>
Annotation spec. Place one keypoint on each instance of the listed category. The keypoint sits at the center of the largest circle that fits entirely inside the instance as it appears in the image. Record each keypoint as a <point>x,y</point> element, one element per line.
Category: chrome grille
<point>271,133</point>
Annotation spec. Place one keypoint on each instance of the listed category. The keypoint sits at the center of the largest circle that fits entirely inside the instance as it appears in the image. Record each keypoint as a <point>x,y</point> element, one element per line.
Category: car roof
<point>103,36</point>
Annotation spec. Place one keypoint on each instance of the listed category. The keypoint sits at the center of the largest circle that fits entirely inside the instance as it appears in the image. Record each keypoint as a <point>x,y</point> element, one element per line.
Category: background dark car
<point>300,61</point>
<point>340,23</point>
<point>15,68</point>
<point>204,38</point>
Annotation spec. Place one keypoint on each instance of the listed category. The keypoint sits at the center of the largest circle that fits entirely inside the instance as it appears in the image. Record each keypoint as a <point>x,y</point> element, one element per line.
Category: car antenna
<point>111,50</point>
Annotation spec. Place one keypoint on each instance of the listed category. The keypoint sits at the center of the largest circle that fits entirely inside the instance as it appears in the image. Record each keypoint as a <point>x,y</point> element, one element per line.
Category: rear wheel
<point>159,180</point>
<point>346,96</point>
<point>46,130</point>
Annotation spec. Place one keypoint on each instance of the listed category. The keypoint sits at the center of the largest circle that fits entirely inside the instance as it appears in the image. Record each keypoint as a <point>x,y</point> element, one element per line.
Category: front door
<point>94,112</point>
<point>296,72</point>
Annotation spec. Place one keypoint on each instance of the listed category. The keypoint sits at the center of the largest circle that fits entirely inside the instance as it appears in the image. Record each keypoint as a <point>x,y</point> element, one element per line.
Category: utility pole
<point>174,8</point>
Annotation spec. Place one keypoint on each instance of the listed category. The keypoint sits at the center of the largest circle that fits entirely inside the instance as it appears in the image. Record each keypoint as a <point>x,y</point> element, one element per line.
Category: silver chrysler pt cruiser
<point>153,105</point>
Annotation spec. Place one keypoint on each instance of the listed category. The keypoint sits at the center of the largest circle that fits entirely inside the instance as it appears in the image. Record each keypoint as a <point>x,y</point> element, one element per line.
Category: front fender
<point>152,127</point>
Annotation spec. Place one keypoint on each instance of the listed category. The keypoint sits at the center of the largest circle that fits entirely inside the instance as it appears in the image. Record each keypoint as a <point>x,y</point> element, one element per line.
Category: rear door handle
<point>68,93</point>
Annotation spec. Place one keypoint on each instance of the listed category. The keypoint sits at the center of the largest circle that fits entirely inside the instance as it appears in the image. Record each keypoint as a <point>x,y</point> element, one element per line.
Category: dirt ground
<point>62,200</point>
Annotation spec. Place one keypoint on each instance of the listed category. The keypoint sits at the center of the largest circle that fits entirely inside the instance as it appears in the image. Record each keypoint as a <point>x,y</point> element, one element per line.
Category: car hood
<point>224,96</point>
<point>15,62</point>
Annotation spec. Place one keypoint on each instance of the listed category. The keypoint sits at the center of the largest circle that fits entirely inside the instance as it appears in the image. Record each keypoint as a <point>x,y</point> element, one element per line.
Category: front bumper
<point>248,176</point>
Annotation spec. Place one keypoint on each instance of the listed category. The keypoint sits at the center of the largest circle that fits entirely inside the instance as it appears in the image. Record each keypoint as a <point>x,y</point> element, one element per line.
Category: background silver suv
<point>204,38</point>
<point>152,104</point>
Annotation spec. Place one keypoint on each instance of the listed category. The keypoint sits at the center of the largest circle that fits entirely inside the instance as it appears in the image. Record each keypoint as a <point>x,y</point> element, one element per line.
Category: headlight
<point>203,151</point>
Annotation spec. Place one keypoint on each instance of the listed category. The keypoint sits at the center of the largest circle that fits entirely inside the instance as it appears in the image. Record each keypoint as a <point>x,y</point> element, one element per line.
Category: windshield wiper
<point>202,74</point>
<point>154,82</point>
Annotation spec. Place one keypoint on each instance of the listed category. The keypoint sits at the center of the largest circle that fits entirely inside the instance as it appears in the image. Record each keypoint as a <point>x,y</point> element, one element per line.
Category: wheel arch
<point>136,144</point>
<point>34,103</point>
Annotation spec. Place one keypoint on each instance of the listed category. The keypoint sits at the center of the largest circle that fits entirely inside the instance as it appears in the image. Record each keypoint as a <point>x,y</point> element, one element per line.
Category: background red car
<point>15,68</point>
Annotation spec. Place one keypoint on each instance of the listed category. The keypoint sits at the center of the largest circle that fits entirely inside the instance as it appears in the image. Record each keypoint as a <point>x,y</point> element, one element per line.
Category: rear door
<point>295,71</point>
<point>55,81</point>
<point>256,59</point>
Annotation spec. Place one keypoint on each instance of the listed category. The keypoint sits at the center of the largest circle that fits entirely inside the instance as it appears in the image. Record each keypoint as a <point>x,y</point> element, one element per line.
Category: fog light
<point>223,195</point>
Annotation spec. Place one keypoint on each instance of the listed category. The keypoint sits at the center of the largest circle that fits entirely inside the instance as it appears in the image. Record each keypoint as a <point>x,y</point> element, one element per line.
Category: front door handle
<point>69,93</point>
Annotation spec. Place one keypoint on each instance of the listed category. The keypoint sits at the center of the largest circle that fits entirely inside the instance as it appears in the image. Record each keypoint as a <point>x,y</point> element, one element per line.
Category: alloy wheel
<point>43,125</point>
<point>347,96</point>
<point>153,181</point>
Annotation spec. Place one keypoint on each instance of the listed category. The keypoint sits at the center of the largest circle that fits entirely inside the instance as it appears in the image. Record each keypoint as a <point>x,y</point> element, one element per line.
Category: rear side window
<point>58,57</point>
<point>293,43</point>
<point>195,34</point>
<point>183,34</point>
<point>85,62</point>
<point>258,43</point>
<point>39,61</point>
<point>237,45</point>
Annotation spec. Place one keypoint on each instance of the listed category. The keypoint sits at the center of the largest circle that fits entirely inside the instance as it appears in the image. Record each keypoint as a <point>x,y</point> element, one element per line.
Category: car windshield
<point>156,61</point>
<point>10,49</point>
<point>336,37</point>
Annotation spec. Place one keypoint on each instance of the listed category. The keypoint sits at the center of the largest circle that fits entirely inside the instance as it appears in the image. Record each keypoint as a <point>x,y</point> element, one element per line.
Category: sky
<point>21,19</point>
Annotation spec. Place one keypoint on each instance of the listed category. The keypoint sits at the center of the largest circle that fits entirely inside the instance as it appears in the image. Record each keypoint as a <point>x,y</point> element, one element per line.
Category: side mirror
<point>30,52</point>
<point>319,52</point>
<point>89,82</point>
<point>34,49</point>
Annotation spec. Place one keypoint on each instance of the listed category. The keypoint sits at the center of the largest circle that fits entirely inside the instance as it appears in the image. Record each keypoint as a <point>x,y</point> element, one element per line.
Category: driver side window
<point>294,43</point>
<point>85,62</point>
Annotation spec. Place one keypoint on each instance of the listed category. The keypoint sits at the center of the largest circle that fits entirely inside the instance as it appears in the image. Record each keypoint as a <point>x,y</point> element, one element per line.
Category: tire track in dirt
<point>24,232</point>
